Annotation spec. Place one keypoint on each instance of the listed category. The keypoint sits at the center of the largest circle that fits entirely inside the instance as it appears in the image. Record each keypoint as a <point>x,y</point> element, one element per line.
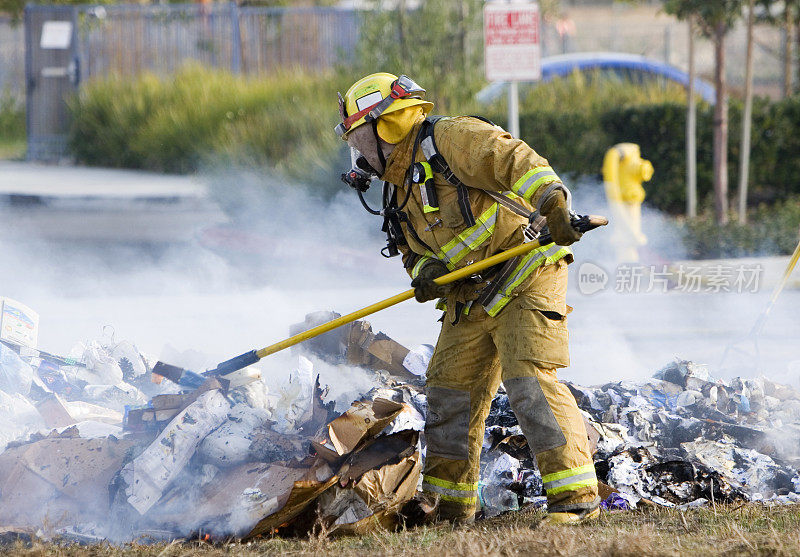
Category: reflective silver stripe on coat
<point>531,264</point>
<point>523,189</point>
<point>427,147</point>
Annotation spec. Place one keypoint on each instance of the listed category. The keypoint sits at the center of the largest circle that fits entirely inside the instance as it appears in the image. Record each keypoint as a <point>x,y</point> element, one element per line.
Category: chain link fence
<point>128,40</point>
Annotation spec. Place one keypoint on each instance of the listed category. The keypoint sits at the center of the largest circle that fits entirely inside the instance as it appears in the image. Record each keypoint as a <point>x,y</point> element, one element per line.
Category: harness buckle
<point>437,222</point>
<point>536,223</point>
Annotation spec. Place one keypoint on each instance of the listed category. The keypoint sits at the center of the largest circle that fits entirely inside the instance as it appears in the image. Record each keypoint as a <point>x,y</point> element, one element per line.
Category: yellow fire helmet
<point>375,95</point>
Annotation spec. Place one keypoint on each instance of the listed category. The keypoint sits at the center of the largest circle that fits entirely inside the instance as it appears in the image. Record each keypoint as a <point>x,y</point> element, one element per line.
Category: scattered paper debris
<point>104,444</point>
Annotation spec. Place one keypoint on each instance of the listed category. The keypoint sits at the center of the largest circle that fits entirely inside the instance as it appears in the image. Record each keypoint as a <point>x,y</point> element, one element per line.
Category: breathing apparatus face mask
<point>361,172</point>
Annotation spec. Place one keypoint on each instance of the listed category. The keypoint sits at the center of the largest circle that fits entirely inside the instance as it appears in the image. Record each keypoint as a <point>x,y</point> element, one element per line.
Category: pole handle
<point>458,274</point>
<point>582,223</point>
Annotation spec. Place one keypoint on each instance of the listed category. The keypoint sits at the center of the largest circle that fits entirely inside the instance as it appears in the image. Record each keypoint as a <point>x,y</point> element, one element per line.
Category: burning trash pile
<point>96,446</point>
<point>686,438</point>
<point>680,439</point>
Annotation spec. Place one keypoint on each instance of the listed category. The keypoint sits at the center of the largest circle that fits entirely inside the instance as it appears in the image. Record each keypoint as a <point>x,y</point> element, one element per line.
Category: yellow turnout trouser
<point>522,347</point>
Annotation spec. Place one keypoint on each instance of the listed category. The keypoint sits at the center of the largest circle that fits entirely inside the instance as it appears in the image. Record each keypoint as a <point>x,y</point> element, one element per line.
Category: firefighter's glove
<point>554,209</point>
<point>466,290</point>
<point>424,287</point>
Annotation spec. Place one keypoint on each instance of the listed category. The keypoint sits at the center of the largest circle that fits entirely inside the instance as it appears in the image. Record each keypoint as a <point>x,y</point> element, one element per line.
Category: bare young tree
<point>714,19</point>
<point>744,155</point>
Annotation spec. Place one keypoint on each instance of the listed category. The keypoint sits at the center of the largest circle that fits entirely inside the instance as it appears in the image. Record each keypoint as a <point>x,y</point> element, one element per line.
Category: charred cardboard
<point>268,445</point>
<point>376,351</point>
<point>258,498</point>
<point>56,477</point>
<point>239,498</point>
<point>374,501</point>
<point>375,454</point>
<point>371,488</point>
<point>356,344</point>
<point>382,473</point>
<point>54,412</point>
<point>301,495</point>
<point>383,490</point>
<point>362,420</point>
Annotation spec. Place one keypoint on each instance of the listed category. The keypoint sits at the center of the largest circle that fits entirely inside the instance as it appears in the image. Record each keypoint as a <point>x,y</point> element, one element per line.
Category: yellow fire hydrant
<point>624,170</point>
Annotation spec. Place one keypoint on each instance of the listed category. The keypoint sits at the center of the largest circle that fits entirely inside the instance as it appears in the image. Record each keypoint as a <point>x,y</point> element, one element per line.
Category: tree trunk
<point>462,38</point>
<point>401,30</point>
<point>787,49</point>
<point>797,50</point>
<point>744,154</point>
<point>720,128</point>
<point>691,133</point>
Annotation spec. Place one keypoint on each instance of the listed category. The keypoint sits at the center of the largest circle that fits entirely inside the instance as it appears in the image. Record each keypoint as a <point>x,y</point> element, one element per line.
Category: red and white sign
<point>512,48</point>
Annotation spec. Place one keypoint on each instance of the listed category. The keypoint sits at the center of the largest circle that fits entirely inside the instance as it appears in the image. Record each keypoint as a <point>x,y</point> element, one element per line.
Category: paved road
<point>56,181</point>
<point>74,204</point>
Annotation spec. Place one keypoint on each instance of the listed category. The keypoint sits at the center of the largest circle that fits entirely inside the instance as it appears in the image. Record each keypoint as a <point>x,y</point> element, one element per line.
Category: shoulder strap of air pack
<point>439,165</point>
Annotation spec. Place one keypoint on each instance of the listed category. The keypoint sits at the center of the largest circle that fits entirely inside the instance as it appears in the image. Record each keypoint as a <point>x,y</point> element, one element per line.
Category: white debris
<point>18,418</point>
<point>151,472</point>
<point>418,358</point>
<point>230,443</point>
<point>295,404</point>
<point>101,368</point>
<point>15,375</point>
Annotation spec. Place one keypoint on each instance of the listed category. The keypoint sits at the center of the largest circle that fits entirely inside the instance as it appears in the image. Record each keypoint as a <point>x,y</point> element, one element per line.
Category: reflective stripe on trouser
<point>470,360</point>
<point>463,493</point>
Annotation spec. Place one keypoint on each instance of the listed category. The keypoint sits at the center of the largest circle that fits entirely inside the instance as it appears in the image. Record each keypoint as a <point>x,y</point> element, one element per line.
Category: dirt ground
<point>725,530</point>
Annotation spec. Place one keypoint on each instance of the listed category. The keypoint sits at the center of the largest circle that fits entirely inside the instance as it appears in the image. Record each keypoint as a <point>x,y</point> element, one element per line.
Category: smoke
<point>261,252</point>
<point>649,313</point>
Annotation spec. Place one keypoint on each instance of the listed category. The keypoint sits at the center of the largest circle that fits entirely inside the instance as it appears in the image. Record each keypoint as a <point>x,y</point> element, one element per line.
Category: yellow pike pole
<point>185,377</point>
<point>458,274</point>
<point>758,326</point>
<point>762,319</point>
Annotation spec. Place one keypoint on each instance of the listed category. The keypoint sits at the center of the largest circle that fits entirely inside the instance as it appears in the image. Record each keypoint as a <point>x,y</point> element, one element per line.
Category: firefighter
<point>457,190</point>
<point>624,170</point>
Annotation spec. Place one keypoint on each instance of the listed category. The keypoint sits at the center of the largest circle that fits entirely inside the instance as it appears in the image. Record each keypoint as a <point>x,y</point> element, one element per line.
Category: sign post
<point>512,49</point>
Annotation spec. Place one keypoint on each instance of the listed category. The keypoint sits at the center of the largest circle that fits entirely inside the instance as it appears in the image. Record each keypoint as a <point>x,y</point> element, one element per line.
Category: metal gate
<point>52,76</point>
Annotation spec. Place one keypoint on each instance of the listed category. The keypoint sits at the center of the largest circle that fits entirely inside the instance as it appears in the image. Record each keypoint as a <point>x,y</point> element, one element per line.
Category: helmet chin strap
<point>378,147</point>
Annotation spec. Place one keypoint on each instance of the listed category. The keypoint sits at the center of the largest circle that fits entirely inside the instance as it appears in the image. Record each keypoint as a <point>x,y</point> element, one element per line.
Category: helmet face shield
<point>409,86</point>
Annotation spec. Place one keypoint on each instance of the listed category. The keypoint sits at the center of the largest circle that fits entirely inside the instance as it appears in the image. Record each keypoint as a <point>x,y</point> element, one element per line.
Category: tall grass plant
<point>12,127</point>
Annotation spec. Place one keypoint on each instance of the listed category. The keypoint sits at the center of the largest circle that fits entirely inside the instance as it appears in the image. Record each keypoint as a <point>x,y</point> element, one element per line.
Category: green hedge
<point>12,118</point>
<point>772,229</point>
<point>12,127</point>
<point>199,117</point>
<point>575,143</point>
